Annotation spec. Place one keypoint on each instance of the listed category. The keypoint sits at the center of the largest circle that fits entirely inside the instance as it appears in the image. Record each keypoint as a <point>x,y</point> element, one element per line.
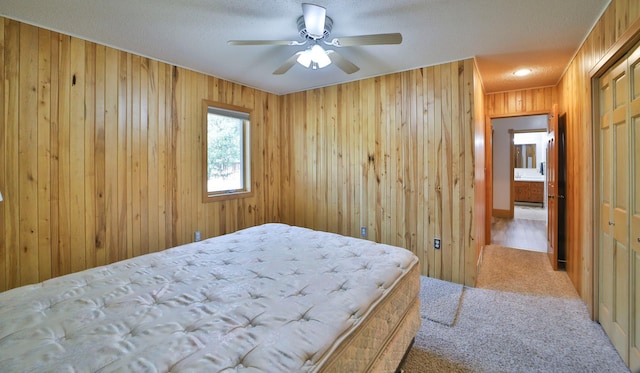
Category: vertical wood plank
<point>170,164</point>
<point>12,187</point>
<point>4,270</point>
<point>89,158</point>
<point>353,121</point>
<point>440,180</point>
<point>368,158</point>
<point>385,168</point>
<point>76,123</point>
<point>111,156</point>
<point>331,164</point>
<point>143,155</point>
<point>307,169</point>
<point>60,146</point>
<point>123,165</point>
<point>275,178</point>
<point>54,187</point>
<point>177,133</point>
<point>458,186</point>
<point>201,92</point>
<point>12,152</point>
<point>136,188</point>
<point>27,158</point>
<point>44,155</point>
<point>412,202</point>
<point>64,188</point>
<point>431,219</point>
<point>99,143</point>
<point>421,174</point>
<point>399,185</point>
<point>154,213</point>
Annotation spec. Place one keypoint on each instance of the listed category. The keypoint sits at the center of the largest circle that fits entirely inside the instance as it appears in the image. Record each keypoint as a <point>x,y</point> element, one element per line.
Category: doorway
<point>519,211</point>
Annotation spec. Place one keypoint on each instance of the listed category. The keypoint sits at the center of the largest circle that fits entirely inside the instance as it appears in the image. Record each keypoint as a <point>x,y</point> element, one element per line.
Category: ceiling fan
<point>315,27</point>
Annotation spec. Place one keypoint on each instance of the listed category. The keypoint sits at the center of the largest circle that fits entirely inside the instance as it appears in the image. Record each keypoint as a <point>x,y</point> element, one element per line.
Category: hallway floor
<point>527,230</point>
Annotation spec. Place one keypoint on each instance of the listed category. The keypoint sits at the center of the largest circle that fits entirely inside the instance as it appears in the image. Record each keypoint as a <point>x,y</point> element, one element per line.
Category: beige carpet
<point>522,317</point>
<point>522,271</point>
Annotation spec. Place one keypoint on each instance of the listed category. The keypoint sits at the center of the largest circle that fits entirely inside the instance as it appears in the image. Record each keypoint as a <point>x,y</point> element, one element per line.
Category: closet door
<point>634,113</point>
<point>614,268</point>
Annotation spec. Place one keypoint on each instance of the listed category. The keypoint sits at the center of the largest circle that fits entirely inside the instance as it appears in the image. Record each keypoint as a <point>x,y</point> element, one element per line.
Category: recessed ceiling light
<point>522,72</point>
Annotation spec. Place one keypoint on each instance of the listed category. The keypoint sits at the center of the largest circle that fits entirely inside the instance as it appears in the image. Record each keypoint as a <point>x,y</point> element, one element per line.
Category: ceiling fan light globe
<point>324,61</point>
<point>319,56</point>
<point>305,59</point>
<point>316,52</point>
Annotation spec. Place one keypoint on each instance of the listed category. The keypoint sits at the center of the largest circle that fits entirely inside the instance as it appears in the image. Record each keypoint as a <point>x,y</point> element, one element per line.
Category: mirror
<point>525,156</point>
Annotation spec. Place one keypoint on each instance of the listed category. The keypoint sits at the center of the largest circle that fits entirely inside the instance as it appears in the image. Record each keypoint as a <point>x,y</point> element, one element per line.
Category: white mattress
<point>272,298</point>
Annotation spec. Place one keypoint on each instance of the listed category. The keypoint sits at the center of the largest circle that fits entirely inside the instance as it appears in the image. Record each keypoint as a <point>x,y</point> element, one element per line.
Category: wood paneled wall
<point>524,102</point>
<point>100,158</point>
<point>574,97</point>
<point>100,155</point>
<point>394,154</point>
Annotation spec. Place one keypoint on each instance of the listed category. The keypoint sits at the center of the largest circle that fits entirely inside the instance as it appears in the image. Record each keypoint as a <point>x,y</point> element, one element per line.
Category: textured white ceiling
<point>502,34</point>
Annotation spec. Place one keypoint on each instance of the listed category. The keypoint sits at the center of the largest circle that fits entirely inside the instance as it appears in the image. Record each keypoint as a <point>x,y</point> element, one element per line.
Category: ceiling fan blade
<point>266,42</point>
<point>287,64</point>
<point>314,16</point>
<point>373,39</point>
<point>343,63</point>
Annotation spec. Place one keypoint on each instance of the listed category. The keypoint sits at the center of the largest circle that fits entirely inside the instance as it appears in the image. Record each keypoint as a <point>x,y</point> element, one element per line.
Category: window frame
<point>222,109</point>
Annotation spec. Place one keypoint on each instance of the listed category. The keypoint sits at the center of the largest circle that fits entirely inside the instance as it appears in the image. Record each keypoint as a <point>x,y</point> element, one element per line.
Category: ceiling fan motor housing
<point>302,28</point>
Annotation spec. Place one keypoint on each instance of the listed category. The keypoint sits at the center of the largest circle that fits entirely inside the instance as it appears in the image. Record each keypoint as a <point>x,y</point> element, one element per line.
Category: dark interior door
<point>552,189</point>
<point>562,190</point>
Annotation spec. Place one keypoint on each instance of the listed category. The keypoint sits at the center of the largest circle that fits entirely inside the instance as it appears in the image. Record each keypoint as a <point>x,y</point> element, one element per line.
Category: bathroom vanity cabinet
<point>528,191</point>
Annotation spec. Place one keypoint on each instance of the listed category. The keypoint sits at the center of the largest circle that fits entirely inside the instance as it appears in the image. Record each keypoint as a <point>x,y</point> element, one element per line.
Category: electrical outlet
<point>363,232</point>
<point>196,236</point>
<point>436,243</point>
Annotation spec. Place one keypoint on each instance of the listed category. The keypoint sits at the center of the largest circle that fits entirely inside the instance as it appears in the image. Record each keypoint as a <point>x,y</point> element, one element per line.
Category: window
<point>226,170</point>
